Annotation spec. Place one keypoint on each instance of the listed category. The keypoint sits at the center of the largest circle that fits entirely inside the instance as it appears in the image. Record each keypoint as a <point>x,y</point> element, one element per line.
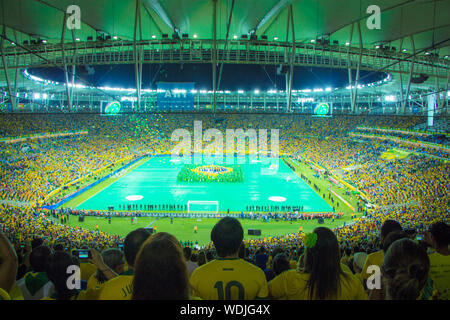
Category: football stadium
<point>224,150</point>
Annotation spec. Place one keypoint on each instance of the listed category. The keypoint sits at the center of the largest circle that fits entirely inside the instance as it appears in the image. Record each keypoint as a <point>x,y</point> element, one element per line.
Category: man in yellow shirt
<point>120,288</point>
<point>377,258</point>
<point>228,277</point>
<point>439,238</point>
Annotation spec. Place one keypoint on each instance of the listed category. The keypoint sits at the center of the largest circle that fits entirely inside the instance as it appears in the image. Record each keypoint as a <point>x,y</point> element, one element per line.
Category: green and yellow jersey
<point>229,279</point>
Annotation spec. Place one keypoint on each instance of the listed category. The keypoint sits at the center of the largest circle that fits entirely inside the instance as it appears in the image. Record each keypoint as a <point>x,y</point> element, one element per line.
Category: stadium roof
<point>427,20</point>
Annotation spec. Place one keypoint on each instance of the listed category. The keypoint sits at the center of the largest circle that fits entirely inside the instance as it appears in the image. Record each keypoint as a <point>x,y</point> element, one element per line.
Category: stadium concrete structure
<point>411,47</point>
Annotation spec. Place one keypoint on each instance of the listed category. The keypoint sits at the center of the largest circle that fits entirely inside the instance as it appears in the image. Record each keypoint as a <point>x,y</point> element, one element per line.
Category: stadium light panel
<point>390,98</point>
<point>36,95</point>
<point>275,38</point>
<point>240,91</point>
<point>235,37</point>
<point>195,36</point>
<point>44,96</point>
<point>256,91</point>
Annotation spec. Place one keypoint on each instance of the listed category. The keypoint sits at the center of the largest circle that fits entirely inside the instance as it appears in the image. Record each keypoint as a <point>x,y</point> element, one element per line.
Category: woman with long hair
<point>405,270</point>
<point>321,277</point>
<point>160,270</point>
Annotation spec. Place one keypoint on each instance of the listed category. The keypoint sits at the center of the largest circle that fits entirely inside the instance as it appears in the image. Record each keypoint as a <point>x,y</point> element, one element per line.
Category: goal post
<point>197,206</point>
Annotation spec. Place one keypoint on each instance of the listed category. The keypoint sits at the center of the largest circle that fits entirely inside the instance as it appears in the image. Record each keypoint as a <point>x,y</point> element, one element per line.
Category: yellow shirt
<point>118,288</point>
<point>292,285</point>
<point>229,279</point>
<point>293,264</point>
<point>87,269</point>
<point>346,268</point>
<point>15,292</point>
<point>4,295</point>
<point>375,258</point>
<point>358,275</point>
<point>346,259</point>
<point>440,273</point>
<point>93,283</point>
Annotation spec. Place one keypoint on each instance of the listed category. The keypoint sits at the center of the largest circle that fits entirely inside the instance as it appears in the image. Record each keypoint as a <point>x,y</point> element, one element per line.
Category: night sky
<point>234,77</point>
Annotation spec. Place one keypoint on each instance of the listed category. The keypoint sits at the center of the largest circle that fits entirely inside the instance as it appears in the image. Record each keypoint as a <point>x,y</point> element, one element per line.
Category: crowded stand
<point>404,198</point>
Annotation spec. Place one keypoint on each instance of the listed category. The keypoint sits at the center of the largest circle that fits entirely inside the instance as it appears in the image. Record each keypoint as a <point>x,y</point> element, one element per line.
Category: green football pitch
<point>154,182</point>
<point>183,228</point>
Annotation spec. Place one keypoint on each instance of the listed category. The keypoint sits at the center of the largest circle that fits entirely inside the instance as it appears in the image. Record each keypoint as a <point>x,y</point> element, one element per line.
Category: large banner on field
<point>175,95</point>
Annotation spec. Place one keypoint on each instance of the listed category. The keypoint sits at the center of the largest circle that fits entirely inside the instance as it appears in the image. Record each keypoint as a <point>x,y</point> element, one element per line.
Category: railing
<point>236,52</point>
